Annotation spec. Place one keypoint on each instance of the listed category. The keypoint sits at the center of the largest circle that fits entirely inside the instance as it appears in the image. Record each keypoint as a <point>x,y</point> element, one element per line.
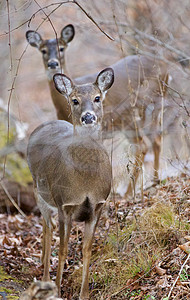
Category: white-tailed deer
<point>132,105</point>
<point>53,53</point>
<point>71,169</point>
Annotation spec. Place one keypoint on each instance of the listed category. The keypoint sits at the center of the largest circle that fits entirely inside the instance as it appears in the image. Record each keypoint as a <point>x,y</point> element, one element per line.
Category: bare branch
<point>150,38</point>
<point>59,4</point>
<point>11,199</point>
<point>88,15</point>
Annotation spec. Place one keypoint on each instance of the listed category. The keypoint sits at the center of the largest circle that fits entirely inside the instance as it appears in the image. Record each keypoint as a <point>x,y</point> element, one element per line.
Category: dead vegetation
<point>136,252</point>
<point>140,252</point>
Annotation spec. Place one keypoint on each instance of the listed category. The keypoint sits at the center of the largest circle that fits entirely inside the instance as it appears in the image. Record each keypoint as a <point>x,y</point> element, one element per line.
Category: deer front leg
<point>64,232</point>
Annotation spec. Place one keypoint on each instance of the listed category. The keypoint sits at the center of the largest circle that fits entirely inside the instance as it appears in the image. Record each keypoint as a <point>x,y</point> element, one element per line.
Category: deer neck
<point>88,132</point>
<point>61,103</point>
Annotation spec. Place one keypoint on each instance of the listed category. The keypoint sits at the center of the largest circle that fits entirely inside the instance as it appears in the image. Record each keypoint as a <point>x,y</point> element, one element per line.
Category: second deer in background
<point>132,105</point>
<point>53,52</point>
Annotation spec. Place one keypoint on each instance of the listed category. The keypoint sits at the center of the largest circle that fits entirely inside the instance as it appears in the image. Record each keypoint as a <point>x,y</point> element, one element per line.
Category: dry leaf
<point>185,247</point>
<point>163,283</point>
<point>160,271</point>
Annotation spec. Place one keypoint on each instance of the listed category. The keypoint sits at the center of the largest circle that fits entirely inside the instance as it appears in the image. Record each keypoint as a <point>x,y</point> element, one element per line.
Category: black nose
<point>88,118</point>
<point>52,64</point>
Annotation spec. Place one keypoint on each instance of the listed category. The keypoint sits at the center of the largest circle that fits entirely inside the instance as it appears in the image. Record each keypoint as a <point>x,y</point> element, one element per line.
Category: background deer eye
<point>75,101</point>
<point>44,51</point>
<point>61,49</point>
<point>97,99</point>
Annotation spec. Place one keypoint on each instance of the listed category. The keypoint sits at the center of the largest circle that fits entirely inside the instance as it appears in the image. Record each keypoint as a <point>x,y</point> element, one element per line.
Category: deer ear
<point>34,38</point>
<point>63,84</point>
<point>105,79</point>
<point>67,33</point>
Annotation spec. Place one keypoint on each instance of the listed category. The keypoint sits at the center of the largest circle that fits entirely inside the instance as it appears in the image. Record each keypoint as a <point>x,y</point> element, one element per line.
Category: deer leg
<point>156,150</point>
<point>139,160</point>
<point>90,228</point>
<point>48,226</point>
<point>64,232</point>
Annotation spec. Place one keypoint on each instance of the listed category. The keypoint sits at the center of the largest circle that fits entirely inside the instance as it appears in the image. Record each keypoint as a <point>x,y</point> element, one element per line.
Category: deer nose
<point>52,64</point>
<point>88,118</point>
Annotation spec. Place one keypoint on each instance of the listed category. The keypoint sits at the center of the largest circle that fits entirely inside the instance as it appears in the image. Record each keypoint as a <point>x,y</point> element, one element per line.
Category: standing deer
<point>133,104</point>
<point>53,53</point>
<point>71,169</point>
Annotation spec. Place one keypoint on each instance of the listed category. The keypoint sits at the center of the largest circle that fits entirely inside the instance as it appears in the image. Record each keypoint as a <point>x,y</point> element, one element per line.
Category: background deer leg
<point>64,232</point>
<point>137,167</point>
<point>156,150</point>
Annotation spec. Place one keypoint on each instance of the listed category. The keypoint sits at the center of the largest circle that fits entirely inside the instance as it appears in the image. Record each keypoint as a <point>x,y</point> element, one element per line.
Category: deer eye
<point>75,101</point>
<point>44,51</point>
<point>61,49</point>
<point>97,99</point>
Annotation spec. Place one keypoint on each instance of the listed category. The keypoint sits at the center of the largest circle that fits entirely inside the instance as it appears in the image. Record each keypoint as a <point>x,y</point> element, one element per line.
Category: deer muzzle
<point>88,118</point>
<point>53,64</point>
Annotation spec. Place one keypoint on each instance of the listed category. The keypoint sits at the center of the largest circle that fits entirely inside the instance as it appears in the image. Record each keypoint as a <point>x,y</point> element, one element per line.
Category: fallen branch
<point>168,297</point>
<point>11,199</point>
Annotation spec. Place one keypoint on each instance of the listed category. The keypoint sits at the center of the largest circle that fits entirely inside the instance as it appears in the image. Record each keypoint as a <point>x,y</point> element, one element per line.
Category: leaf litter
<point>137,252</point>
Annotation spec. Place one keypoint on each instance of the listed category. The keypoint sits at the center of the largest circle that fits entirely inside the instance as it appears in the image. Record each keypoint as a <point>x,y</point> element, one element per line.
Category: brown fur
<point>138,86</point>
<point>71,170</point>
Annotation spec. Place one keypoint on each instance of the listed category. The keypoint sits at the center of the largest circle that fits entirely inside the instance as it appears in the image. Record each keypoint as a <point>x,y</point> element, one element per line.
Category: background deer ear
<point>63,84</point>
<point>34,38</point>
<point>105,79</point>
<point>67,33</point>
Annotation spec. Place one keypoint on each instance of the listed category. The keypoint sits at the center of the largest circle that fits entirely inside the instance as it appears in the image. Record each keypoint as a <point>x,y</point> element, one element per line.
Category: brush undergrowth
<point>131,252</point>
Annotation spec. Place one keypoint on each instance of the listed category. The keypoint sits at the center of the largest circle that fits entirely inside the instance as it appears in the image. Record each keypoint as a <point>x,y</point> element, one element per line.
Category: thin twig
<point>178,276</point>
<point>59,4</point>
<point>47,16</point>
<point>9,101</point>
<point>150,38</point>
<point>74,2</point>
<point>9,33</point>
<point>12,200</point>
<point>11,66</point>
<point>179,94</point>
<point>88,15</point>
<point>34,14</point>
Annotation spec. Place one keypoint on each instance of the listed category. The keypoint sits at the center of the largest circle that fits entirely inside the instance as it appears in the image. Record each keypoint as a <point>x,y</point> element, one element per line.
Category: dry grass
<point>133,251</point>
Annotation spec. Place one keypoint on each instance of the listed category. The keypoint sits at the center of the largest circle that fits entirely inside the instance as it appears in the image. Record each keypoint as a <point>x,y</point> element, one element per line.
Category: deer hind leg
<point>90,228</point>
<point>141,151</point>
<point>48,226</point>
<point>46,249</point>
<point>64,232</point>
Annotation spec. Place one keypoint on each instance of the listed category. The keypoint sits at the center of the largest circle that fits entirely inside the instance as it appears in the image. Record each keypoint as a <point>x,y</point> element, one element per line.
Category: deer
<point>53,53</point>
<point>132,105</point>
<point>71,170</point>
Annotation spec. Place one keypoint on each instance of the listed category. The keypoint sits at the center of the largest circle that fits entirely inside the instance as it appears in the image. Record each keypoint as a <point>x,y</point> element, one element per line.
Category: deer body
<point>71,169</point>
<point>133,104</point>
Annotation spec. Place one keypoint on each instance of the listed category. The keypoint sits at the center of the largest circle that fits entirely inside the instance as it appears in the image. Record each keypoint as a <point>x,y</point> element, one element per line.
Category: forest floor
<point>140,251</point>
